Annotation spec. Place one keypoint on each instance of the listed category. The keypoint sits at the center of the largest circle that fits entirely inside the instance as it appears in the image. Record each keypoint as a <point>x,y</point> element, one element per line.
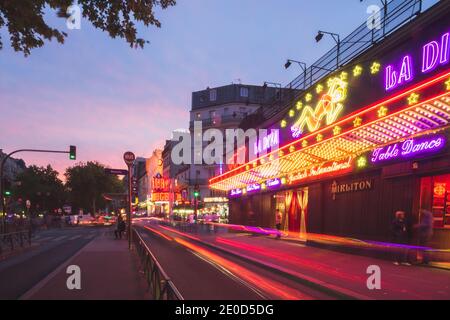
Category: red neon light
<point>375,105</point>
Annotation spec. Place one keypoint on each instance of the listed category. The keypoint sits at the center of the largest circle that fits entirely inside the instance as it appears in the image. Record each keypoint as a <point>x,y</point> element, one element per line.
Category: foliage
<point>28,29</point>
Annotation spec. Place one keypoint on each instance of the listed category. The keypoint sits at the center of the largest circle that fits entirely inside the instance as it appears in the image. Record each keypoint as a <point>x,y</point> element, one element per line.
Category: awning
<point>421,109</point>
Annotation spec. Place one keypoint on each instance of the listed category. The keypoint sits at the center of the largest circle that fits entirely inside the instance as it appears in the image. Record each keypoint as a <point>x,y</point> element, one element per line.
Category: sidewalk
<point>335,270</point>
<point>108,271</point>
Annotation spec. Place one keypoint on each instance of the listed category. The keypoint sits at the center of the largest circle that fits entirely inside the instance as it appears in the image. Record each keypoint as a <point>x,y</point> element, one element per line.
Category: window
<point>244,92</point>
<point>213,95</point>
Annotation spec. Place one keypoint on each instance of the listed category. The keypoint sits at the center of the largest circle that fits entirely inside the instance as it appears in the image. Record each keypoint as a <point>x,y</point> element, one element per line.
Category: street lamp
<point>301,64</point>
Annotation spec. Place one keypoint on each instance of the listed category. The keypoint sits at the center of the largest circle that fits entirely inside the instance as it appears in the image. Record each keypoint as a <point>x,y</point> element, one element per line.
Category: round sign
<point>129,158</point>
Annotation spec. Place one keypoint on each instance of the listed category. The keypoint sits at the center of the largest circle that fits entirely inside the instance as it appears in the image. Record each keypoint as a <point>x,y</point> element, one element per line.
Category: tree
<point>24,19</point>
<point>41,186</point>
<point>87,182</point>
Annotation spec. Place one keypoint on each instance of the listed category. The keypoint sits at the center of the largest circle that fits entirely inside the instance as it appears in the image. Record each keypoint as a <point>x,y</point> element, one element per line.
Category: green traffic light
<point>196,194</point>
<point>73,153</point>
<point>7,193</point>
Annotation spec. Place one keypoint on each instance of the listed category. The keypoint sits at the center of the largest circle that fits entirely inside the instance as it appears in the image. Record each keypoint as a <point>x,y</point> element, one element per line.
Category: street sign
<point>117,172</point>
<point>129,158</point>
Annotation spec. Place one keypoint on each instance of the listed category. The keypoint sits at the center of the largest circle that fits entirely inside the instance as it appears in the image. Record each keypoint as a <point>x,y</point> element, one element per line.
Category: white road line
<point>75,237</point>
<point>59,238</point>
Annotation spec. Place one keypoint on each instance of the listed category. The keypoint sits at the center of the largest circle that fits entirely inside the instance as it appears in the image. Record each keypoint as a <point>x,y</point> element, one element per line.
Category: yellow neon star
<point>413,98</point>
<point>263,186</point>
<point>357,71</point>
<point>299,105</point>
<point>357,122</point>
<point>283,123</point>
<point>308,97</point>
<point>291,113</point>
<point>382,111</point>
<point>337,130</point>
<point>319,137</point>
<point>280,153</point>
<point>362,161</point>
<point>447,84</point>
<point>319,88</point>
<point>330,82</point>
<point>343,75</point>
<point>247,167</point>
<point>375,68</point>
<point>304,143</point>
<point>291,149</point>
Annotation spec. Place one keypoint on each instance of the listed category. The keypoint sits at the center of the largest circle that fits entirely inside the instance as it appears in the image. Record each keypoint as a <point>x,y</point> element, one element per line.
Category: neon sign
<point>434,53</point>
<point>273,183</point>
<point>322,170</point>
<point>253,187</point>
<point>235,193</point>
<point>329,105</point>
<point>408,148</point>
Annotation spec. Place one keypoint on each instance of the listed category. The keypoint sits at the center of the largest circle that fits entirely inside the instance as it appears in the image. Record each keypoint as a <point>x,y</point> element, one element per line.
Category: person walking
<point>278,218</point>
<point>400,236</point>
<point>120,227</point>
<point>425,232</point>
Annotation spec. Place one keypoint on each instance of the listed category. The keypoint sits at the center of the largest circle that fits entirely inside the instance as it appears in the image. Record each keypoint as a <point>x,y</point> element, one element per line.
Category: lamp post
<point>302,66</point>
<point>72,152</point>
<point>336,38</point>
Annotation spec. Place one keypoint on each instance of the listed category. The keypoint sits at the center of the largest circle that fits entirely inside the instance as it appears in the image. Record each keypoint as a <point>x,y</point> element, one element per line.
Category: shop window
<point>435,196</point>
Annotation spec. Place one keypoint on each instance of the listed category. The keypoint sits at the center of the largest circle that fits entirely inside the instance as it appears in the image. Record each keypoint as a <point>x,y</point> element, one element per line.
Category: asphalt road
<point>200,272</point>
<point>51,248</point>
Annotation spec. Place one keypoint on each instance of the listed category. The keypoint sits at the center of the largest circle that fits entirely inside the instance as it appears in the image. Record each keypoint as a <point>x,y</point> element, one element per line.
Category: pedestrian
<point>278,218</point>
<point>400,235</point>
<point>120,227</point>
<point>425,232</point>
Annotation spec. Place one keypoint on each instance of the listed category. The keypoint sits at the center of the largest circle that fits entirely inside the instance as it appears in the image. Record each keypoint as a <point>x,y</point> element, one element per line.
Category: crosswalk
<point>70,236</point>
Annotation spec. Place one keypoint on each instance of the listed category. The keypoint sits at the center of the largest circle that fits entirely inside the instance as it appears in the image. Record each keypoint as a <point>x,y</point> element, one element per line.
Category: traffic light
<point>73,153</point>
<point>196,193</point>
<point>7,193</point>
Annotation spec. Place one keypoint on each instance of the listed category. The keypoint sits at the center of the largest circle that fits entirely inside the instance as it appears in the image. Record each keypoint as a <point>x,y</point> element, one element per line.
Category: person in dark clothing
<point>278,218</point>
<point>400,235</point>
<point>120,227</point>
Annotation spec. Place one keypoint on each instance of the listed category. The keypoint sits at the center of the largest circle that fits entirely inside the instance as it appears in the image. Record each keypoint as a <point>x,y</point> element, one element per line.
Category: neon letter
<point>430,56</point>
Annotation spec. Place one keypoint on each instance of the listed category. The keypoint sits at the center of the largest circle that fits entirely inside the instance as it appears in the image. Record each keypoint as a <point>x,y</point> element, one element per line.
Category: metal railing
<point>396,14</point>
<point>160,285</point>
<point>14,240</point>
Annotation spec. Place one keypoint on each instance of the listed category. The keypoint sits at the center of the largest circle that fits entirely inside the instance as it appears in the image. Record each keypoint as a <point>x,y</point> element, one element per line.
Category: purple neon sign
<point>408,148</point>
<point>434,53</point>
<point>273,183</point>
<point>253,187</point>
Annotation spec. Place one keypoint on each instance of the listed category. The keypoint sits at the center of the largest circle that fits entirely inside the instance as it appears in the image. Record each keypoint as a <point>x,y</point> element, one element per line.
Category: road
<point>200,272</point>
<point>51,248</point>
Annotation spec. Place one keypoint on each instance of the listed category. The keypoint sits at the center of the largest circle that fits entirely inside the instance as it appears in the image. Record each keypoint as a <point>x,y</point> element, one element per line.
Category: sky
<point>97,93</point>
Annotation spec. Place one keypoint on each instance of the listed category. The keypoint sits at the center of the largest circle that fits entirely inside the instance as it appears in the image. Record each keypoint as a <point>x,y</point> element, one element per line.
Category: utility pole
<point>129,159</point>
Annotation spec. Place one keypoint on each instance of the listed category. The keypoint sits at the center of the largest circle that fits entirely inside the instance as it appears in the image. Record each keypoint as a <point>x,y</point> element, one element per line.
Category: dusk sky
<point>106,98</point>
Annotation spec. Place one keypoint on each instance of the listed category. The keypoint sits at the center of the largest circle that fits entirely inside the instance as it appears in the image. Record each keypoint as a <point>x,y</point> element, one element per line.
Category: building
<point>224,108</point>
<point>363,141</point>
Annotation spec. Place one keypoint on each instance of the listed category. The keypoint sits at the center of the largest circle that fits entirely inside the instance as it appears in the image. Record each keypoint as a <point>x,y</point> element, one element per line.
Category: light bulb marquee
<point>329,138</point>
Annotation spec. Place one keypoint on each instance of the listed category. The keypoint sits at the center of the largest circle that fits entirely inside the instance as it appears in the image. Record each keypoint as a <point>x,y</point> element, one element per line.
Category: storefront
<point>362,143</point>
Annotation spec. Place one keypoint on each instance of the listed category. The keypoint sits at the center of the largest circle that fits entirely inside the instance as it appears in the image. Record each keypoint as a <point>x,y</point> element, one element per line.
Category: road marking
<point>75,237</point>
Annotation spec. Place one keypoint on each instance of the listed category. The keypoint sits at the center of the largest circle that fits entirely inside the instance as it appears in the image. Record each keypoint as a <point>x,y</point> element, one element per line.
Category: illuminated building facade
<point>359,144</point>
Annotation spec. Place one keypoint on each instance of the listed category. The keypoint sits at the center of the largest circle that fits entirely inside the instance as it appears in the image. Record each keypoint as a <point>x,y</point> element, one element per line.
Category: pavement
<point>108,269</point>
<point>333,270</point>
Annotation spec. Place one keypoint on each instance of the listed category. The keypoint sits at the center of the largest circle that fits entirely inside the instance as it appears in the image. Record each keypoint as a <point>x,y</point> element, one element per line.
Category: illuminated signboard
<point>160,184</point>
<point>273,183</point>
<point>253,188</point>
<point>434,54</point>
<point>329,106</point>
<point>408,148</point>
<point>165,197</point>
<point>322,170</point>
<point>235,192</point>
<point>270,141</point>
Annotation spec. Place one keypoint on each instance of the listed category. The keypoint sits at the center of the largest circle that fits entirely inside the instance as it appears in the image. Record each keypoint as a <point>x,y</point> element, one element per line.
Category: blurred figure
<point>120,227</point>
<point>400,235</point>
<point>425,232</point>
<point>278,218</point>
